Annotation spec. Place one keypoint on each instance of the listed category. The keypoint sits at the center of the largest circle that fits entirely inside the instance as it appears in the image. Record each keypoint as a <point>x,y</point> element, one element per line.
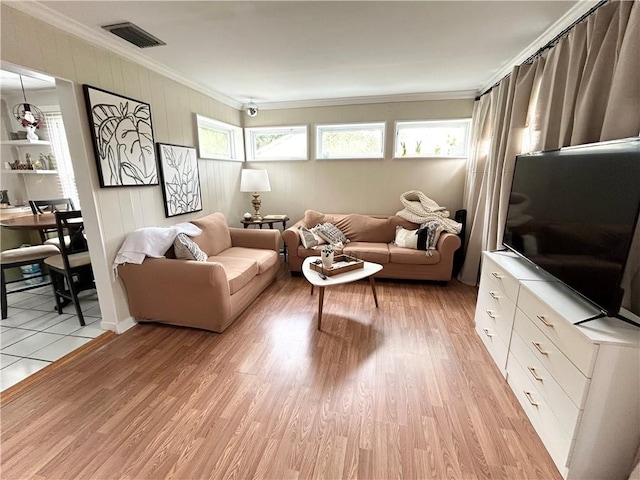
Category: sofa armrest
<point>179,292</point>
<point>447,244</point>
<point>253,238</point>
<point>292,238</point>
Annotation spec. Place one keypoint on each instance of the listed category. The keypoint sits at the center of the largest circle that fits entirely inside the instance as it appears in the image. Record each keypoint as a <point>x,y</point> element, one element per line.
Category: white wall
<point>330,186</point>
<point>361,186</point>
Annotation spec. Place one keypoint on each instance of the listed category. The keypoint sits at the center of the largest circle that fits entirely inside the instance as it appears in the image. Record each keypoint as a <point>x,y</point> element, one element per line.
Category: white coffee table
<point>368,270</point>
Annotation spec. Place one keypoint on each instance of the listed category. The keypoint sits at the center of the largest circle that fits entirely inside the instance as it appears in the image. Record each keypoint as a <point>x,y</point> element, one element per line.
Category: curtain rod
<point>550,44</point>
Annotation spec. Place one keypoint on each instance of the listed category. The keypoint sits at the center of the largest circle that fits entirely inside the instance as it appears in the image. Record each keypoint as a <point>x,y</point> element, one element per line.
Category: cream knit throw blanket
<point>418,208</point>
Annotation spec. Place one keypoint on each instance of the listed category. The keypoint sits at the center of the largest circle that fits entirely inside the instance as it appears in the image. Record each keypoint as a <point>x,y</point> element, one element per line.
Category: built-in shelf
<point>24,143</point>
<point>29,172</point>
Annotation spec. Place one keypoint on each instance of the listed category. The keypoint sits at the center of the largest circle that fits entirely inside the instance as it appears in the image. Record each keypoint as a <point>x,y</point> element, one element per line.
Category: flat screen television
<point>573,212</point>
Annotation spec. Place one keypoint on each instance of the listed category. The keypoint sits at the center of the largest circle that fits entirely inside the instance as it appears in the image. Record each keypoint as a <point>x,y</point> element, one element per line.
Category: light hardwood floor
<point>403,391</point>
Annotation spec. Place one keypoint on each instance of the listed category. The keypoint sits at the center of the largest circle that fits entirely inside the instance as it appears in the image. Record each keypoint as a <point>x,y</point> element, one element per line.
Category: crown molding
<point>405,97</point>
<point>101,39</point>
<point>45,14</point>
<point>573,14</point>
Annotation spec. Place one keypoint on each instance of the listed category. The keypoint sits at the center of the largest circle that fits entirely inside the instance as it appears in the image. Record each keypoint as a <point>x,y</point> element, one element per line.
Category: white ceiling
<point>283,53</point>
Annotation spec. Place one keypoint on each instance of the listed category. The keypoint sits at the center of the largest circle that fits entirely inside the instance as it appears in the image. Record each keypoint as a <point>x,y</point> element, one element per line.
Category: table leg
<point>245,225</point>
<point>271,226</point>
<point>312,289</point>
<point>320,303</point>
<point>373,289</point>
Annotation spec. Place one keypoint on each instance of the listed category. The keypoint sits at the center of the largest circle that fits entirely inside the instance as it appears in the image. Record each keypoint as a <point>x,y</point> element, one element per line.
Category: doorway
<point>34,334</point>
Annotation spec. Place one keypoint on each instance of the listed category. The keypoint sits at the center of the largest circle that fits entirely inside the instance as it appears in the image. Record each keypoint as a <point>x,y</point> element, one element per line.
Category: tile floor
<point>33,335</point>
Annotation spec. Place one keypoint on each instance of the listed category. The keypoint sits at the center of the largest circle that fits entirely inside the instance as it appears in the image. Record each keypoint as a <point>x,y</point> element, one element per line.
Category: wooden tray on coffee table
<point>341,264</point>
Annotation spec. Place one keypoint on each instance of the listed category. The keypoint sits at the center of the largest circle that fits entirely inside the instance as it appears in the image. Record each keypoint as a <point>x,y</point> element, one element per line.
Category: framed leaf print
<point>122,138</point>
<point>180,179</point>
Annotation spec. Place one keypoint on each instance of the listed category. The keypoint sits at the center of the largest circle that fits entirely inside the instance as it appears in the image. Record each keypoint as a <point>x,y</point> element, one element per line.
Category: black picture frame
<point>122,137</point>
<point>180,179</point>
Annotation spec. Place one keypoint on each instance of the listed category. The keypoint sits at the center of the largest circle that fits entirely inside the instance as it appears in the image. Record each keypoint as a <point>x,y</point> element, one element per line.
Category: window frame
<point>234,135</point>
<point>434,123</point>
<point>250,146</point>
<point>332,127</point>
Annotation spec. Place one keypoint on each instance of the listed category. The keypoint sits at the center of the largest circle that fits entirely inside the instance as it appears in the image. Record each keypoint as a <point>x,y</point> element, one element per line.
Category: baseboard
<point>119,327</point>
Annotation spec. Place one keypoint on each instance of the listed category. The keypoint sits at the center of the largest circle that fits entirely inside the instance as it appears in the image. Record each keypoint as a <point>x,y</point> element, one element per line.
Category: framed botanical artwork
<point>180,179</point>
<point>122,139</point>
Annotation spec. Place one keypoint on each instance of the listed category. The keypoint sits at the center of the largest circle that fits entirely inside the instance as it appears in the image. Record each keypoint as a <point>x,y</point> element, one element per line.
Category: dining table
<point>44,221</point>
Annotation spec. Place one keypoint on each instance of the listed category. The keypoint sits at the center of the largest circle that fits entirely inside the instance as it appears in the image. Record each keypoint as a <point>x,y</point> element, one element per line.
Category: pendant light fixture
<point>28,115</point>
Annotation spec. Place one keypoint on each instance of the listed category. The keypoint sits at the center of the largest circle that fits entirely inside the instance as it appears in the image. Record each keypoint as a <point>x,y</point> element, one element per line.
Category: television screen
<point>573,212</point>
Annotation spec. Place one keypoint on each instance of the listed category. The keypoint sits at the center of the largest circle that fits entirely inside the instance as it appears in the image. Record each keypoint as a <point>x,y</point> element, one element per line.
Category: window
<point>354,140</point>
<point>219,140</point>
<point>276,143</point>
<point>447,138</point>
<point>58,138</point>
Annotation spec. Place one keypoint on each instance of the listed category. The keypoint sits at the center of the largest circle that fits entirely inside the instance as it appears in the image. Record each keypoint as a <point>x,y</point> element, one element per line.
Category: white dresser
<point>579,385</point>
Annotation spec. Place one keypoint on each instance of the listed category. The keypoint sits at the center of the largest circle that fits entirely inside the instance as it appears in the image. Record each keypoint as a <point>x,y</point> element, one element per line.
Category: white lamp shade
<point>254,181</point>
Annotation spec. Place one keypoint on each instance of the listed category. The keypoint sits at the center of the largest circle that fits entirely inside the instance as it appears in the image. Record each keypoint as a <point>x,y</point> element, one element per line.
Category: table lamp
<point>255,181</point>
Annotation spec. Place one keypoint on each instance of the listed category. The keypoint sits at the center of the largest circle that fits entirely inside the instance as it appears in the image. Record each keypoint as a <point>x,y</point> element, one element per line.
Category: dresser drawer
<point>562,406</point>
<point>544,421</point>
<point>504,281</point>
<point>557,326</point>
<point>496,309</point>
<point>573,382</point>
<point>497,348</point>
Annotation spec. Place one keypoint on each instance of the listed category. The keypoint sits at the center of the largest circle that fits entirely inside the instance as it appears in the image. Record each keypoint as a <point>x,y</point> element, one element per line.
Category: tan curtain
<point>585,89</point>
<point>502,122</point>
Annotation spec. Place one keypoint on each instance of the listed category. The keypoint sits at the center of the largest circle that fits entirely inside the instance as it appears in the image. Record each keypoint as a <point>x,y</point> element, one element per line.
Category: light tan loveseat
<point>371,239</point>
<point>208,295</point>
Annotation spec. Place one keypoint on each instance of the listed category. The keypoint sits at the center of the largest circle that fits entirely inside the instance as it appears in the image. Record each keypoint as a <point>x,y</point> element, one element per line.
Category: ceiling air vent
<point>134,34</point>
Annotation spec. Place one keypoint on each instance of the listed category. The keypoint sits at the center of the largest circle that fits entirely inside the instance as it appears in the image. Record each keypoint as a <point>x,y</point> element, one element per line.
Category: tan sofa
<point>371,239</point>
<point>208,295</point>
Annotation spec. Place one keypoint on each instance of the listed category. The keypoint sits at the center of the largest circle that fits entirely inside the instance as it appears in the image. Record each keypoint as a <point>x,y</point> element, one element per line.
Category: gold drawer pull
<point>486,332</point>
<point>497,275</point>
<point>491,314</point>
<point>535,374</point>
<point>544,320</point>
<point>539,348</point>
<point>494,295</point>
<point>530,398</point>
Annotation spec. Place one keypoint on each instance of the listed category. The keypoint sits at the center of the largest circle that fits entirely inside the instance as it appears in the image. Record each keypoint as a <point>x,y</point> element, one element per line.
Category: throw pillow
<point>428,235</point>
<point>187,249</point>
<point>331,234</point>
<point>406,238</point>
<point>309,237</point>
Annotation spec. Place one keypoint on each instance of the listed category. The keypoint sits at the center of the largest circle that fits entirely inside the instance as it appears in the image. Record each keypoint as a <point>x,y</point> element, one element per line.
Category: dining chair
<point>70,270</point>
<point>38,207</point>
<point>19,257</point>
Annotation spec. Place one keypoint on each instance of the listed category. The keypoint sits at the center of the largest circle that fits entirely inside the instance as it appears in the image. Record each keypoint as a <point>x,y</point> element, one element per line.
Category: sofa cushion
<point>239,271</point>
<point>364,228</point>
<point>265,259</point>
<point>184,248</point>
<point>409,256</point>
<point>369,251</point>
<point>315,252</point>
<point>215,236</point>
<point>313,218</point>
